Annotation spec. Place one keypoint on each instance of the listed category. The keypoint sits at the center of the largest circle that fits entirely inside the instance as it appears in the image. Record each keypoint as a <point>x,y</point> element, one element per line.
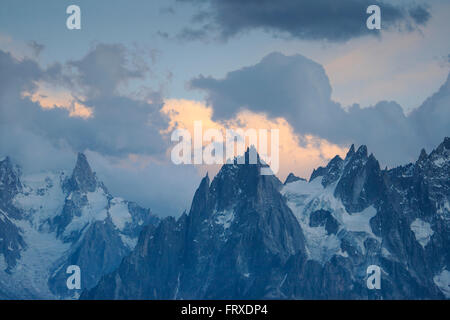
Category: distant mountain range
<point>51,220</point>
<point>246,236</point>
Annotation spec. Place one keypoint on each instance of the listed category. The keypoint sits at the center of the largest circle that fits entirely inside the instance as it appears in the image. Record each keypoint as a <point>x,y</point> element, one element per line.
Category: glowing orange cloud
<point>298,154</point>
<point>50,96</point>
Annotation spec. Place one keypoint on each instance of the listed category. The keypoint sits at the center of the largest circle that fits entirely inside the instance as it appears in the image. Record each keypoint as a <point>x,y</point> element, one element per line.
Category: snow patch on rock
<point>119,213</point>
<point>422,231</point>
<point>442,281</point>
<point>95,210</point>
<point>303,198</point>
<point>225,218</point>
<point>42,197</point>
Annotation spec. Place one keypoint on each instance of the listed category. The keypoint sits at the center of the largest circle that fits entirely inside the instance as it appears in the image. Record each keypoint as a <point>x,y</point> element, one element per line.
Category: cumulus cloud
<point>302,19</point>
<point>298,90</point>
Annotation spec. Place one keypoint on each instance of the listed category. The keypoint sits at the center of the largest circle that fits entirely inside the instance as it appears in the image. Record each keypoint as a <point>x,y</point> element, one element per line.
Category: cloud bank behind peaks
<point>118,124</point>
<point>39,131</point>
<point>298,90</point>
<point>329,20</point>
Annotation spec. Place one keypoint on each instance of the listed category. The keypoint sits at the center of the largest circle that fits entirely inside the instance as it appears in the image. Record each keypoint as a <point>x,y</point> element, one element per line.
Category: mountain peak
<point>332,171</point>
<point>292,178</point>
<point>250,156</point>
<point>441,154</point>
<point>83,178</point>
<point>362,151</point>
<point>8,167</point>
<point>423,155</point>
<point>200,199</point>
<point>9,179</point>
<point>350,152</point>
<point>5,159</point>
<point>205,181</point>
<point>445,145</point>
<point>81,159</point>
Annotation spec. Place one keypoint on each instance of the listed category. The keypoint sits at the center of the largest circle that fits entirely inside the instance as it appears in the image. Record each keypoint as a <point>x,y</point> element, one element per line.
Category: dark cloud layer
<point>119,125</point>
<point>303,19</point>
<point>103,69</point>
<point>297,89</point>
<point>48,139</point>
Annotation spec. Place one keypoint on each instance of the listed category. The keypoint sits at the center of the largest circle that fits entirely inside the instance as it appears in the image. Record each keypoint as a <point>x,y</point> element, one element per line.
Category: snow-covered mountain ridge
<point>51,220</point>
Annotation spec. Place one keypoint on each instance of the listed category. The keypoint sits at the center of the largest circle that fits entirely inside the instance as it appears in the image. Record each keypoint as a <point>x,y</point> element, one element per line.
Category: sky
<point>138,69</point>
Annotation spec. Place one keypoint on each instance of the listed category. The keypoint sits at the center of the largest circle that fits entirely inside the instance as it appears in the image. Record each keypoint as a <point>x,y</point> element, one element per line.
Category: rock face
<point>11,241</point>
<point>51,220</point>
<point>395,219</point>
<point>234,242</point>
<point>248,236</point>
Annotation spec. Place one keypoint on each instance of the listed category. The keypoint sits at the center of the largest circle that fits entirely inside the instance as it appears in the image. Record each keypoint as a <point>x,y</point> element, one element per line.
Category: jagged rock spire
<point>423,156</point>
<point>445,145</point>
<point>201,195</point>
<point>350,152</point>
<point>362,151</point>
<point>83,178</point>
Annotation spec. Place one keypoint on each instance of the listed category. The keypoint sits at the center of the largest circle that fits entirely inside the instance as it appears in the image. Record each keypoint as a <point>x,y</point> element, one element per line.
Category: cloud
<point>114,125</point>
<point>167,10</point>
<point>33,152</point>
<point>36,47</point>
<point>292,87</point>
<point>17,75</point>
<point>50,95</point>
<point>191,34</point>
<point>297,89</point>
<point>297,153</point>
<point>306,19</point>
<point>42,125</point>
<point>106,67</point>
<point>87,113</point>
<point>20,49</point>
<point>163,34</point>
<point>162,186</point>
<point>420,14</point>
<point>367,69</point>
<point>432,119</point>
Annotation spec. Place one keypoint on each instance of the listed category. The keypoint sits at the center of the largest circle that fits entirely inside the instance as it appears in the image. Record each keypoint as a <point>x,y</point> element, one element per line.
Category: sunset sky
<point>139,69</point>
